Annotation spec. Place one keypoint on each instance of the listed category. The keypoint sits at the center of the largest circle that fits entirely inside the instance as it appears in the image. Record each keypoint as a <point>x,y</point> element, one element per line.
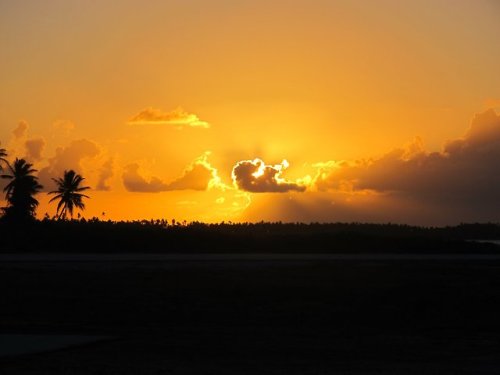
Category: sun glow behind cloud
<point>257,177</point>
<point>407,184</point>
<point>332,86</point>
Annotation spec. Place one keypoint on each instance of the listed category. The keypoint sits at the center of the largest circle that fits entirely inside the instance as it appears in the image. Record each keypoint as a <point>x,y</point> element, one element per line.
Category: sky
<point>236,110</point>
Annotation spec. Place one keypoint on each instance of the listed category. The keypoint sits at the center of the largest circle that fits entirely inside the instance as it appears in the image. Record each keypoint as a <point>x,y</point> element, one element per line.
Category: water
<point>496,242</point>
<point>11,345</point>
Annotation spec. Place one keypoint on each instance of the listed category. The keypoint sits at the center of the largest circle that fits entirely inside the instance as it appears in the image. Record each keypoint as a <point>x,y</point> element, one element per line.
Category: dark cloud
<point>257,177</point>
<point>34,148</point>
<point>462,179</point>
<point>69,157</point>
<point>105,173</point>
<point>199,175</point>
<point>133,181</point>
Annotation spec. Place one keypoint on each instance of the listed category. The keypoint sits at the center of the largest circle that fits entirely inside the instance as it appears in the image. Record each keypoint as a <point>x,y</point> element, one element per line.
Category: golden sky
<point>317,110</point>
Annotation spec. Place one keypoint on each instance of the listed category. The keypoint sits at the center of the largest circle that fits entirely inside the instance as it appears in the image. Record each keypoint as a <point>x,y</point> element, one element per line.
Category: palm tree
<point>20,191</point>
<point>69,193</point>
<point>3,154</point>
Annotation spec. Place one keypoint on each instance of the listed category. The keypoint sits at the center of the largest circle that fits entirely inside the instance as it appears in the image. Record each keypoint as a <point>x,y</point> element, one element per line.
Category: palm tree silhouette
<point>3,154</point>
<point>20,191</point>
<point>69,193</point>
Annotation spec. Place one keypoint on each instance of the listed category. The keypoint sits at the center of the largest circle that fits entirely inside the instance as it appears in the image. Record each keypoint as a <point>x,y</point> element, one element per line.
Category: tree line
<point>23,186</point>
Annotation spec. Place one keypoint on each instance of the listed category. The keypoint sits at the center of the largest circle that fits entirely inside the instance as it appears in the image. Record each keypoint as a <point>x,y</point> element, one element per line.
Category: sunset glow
<point>252,110</point>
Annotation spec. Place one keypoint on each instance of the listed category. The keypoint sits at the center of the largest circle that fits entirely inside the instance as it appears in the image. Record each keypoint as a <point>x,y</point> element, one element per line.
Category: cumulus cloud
<point>257,177</point>
<point>34,148</point>
<point>135,182</point>
<point>177,117</point>
<point>68,157</point>
<point>199,175</point>
<point>462,179</point>
<point>105,173</point>
<point>21,145</point>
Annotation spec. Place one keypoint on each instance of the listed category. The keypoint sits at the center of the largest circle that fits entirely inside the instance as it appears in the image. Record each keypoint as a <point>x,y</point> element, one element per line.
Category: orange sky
<point>164,107</point>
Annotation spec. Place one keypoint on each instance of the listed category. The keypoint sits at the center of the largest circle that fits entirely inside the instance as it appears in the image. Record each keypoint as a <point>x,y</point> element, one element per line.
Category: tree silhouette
<point>69,193</point>
<point>3,154</point>
<point>20,191</point>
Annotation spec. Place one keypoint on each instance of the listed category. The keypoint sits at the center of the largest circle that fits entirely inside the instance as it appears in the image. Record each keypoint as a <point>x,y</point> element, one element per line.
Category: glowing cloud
<point>177,117</point>
<point>199,175</point>
<point>257,177</point>
<point>196,177</point>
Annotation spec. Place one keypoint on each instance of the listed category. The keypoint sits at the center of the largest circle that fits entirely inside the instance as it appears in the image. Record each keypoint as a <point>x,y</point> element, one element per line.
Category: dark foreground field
<point>257,317</point>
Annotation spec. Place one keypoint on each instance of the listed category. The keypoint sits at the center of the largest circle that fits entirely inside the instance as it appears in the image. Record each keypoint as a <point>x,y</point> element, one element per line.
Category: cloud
<point>21,129</point>
<point>21,145</point>
<point>34,148</point>
<point>257,177</point>
<point>133,181</point>
<point>460,181</point>
<point>199,175</point>
<point>177,117</point>
<point>105,173</point>
<point>68,157</point>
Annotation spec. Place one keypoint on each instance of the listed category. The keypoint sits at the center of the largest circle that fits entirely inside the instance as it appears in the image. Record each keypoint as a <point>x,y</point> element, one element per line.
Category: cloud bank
<point>177,117</point>
<point>461,182</point>
<point>408,184</point>
<point>257,177</point>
